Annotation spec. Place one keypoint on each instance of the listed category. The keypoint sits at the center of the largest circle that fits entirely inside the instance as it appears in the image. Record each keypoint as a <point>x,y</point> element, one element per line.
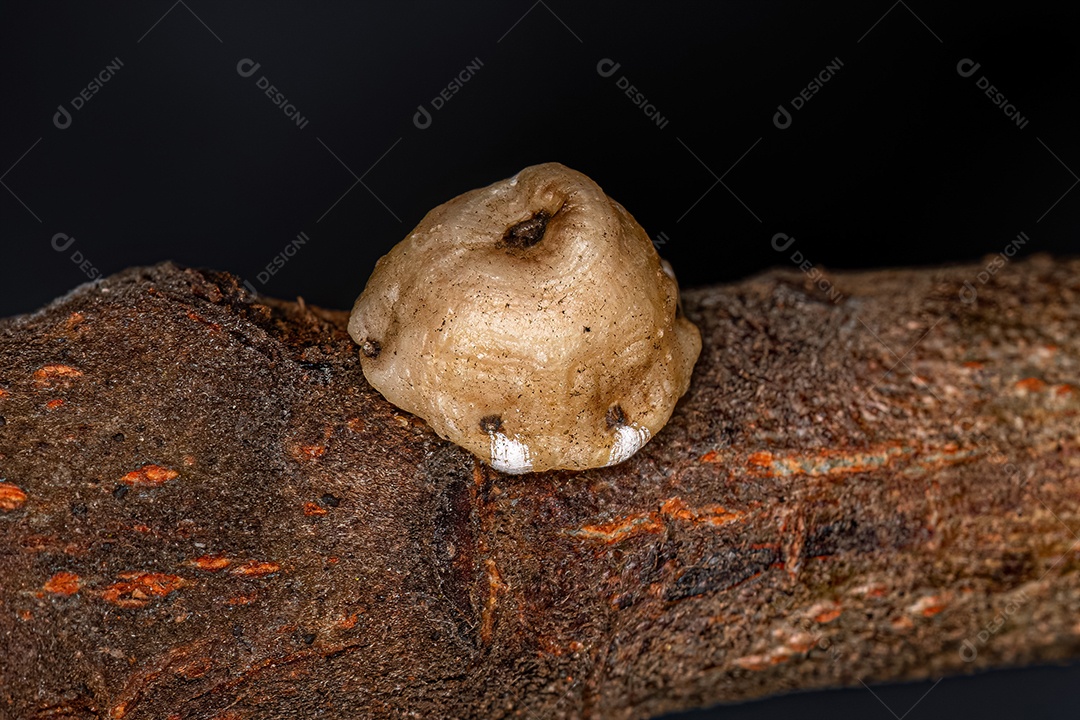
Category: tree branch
<point>205,511</point>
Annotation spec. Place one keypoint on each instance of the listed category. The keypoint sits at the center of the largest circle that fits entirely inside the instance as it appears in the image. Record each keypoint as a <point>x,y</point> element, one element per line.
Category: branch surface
<point>206,512</point>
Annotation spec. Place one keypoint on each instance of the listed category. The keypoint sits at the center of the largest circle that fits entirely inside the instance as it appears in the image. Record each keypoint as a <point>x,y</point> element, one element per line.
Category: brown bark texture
<point>206,512</point>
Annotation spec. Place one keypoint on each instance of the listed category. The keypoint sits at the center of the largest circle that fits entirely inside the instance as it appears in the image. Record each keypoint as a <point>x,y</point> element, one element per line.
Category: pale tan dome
<point>530,322</point>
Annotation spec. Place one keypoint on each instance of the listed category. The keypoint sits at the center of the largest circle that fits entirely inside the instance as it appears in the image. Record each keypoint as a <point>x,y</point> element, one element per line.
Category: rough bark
<point>205,511</point>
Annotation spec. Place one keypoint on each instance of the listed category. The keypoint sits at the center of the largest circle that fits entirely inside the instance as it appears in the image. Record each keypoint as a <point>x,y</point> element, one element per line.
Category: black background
<point>898,160</point>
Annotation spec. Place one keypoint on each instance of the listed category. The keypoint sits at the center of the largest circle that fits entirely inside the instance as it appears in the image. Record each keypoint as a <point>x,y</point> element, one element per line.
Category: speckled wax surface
<point>531,322</point>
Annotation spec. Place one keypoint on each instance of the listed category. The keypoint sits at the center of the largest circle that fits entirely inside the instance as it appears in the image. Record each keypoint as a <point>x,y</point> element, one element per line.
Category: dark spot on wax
<point>491,424</point>
<point>527,232</point>
<point>370,348</point>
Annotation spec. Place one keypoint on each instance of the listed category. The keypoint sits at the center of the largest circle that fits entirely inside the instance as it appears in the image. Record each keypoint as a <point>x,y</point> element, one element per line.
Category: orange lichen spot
<point>308,452</point>
<point>348,622</point>
<point>717,515</point>
<point>145,529</point>
<point>3,393</point>
<point>548,646</point>
<point>775,656</point>
<point>801,642</point>
<point>973,365</point>
<point>136,590</point>
<point>873,590</point>
<point>196,667</point>
<point>487,616</point>
<point>200,319</point>
<point>621,529</point>
<point>25,615</point>
<point>828,616</point>
<point>825,462</point>
<point>211,563</point>
<point>656,590</point>
<point>928,606</point>
<point>74,320</point>
<point>714,515</point>
<point>53,375</point>
<point>1030,384</point>
<point>753,662</point>
<point>242,599</point>
<point>356,424</point>
<point>824,612</point>
<point>313,509</point>
<point>39,543</point>
<point>255,568</point>
<point>676,508</point>
<point>63,583</point>
<point>902,623</point>
<point>11,497</point>
<point>760,460</point>
<point>710,457</point>
<point>673,508</point>
<point>1064,389</point>
<point>54,404</point>
<point>149,475</point>
<point>780,655</point>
